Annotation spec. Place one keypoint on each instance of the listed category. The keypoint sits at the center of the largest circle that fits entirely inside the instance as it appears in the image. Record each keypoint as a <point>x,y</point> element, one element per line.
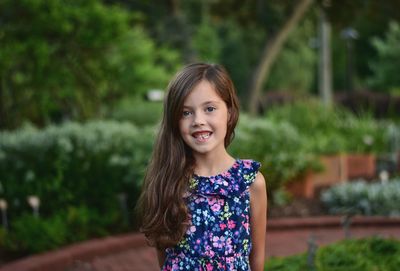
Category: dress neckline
<point>224,173</point>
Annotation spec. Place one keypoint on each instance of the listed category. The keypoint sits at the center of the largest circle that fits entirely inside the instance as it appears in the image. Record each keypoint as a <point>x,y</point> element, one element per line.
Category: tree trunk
<point>270,52</point>
<point>325,64</point>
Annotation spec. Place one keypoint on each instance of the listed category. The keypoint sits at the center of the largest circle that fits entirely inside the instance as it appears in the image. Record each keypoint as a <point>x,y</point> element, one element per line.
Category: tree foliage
<point>298,58</point>
<point>75,59</point>
<point>65,59</point>
<point>370,19</point>
<point>385,66</point>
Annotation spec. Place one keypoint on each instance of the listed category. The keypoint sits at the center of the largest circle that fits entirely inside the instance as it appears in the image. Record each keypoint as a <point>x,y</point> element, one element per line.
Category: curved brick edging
<point>86,251</point>
<point>61,258</point>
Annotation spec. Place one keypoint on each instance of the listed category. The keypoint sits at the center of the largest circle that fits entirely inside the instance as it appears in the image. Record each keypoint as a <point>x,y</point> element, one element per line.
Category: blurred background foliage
<point>77,128</point>
<point>78,60</point>
<point>74,60</point>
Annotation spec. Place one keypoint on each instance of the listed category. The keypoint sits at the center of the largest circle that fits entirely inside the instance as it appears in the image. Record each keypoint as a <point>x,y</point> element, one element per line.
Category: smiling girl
<point>203,209</point>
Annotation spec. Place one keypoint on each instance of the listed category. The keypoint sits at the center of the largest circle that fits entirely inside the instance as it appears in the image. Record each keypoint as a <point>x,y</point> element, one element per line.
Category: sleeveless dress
<point>218,236</point>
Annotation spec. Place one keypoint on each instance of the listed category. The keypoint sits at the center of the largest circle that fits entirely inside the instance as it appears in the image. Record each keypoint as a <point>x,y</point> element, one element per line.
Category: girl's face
<point>203,124</point>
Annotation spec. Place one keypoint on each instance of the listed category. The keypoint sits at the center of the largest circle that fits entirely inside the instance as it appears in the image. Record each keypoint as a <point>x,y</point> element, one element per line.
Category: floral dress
<point>218,236</point>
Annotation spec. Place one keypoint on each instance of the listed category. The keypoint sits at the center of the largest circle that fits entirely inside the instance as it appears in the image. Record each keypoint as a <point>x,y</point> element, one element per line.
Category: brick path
<point>279,243</point>
<point>284,237</point>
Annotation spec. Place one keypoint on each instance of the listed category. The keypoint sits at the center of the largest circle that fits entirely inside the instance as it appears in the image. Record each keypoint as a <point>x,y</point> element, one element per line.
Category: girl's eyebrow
<point>203,104</point>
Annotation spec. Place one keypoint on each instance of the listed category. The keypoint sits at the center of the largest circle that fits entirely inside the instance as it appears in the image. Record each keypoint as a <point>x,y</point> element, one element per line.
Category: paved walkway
<point>129,253</point>
<point>280,242</point>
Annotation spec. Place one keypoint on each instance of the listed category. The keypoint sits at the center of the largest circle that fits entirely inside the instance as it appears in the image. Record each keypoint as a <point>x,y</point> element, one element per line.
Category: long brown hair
<point>163,209</point>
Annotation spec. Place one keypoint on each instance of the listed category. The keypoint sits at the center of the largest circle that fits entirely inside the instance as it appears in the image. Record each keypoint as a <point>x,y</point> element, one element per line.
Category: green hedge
<point>80,170</point>
<point>370,254</point>
<point>31,234</point>
<point>73,164</point>
<point>277,145</point>
<point>333,130</point>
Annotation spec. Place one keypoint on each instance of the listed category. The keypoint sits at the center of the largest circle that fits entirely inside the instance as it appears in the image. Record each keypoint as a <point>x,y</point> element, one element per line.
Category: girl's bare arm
<point>258,222</point>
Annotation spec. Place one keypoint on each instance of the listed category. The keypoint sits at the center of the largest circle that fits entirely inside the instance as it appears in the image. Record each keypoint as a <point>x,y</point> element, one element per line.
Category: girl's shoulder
<point>249,164</point>
<point>248,169</point>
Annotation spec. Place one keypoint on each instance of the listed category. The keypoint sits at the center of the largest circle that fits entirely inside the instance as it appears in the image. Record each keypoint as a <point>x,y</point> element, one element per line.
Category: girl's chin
<point>202,140</point>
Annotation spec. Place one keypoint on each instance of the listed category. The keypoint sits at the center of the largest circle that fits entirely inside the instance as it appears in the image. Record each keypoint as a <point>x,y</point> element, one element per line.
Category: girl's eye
<point>186,113</point>
<point>210,108</point>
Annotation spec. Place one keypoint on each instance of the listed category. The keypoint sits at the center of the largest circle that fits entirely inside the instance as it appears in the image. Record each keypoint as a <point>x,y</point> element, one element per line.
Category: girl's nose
<point>198,119</point>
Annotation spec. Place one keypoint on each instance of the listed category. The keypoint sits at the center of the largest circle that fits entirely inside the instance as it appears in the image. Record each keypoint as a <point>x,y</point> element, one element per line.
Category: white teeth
<point>203,136</point>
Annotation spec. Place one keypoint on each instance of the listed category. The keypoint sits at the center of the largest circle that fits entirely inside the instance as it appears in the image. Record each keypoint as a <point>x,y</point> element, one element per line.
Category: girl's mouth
<point>202,136</point>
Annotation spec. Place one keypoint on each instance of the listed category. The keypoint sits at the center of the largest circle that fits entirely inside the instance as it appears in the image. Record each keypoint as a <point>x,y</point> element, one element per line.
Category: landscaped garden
<point>319,110</point>
<point>87,177</point>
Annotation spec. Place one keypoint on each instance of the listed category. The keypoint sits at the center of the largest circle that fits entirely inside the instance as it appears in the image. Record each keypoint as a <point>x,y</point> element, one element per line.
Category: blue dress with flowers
<point>218,236</point>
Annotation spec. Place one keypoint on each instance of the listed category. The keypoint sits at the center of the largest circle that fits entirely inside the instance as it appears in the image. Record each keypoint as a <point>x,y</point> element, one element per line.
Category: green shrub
<point>293,263</point>
<point>344,256</point>
<point>78,171</point>
<point>277,145</point>
<point>360,197</point>
<point>333,130</point>
<point>84,223</point>
<point>360,255</point>
<point>369,254</point>
<point>73,164</point>
<point>29,234</point>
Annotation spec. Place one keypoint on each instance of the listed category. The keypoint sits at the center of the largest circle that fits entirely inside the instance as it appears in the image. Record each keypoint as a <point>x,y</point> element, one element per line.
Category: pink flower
<point>216,207</point>
<point>231,224</point>
<point>218,181</point>
<point>222,226</point>
<point>209,267</point>
<point>218,242</point>
<point>211,201</point>
<point>228,245</point>
<point>247,163</point>
<point>209,252</point>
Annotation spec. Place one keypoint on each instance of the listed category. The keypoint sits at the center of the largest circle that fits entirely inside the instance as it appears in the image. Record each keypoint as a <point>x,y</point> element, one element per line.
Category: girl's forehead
<point>202,92</point>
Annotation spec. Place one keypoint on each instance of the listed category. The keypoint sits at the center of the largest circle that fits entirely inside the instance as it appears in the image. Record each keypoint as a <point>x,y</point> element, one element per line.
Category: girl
<point>203,209</point>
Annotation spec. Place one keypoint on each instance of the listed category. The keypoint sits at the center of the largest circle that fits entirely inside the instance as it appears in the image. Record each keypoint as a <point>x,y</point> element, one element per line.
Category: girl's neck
<point>212,165</point>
